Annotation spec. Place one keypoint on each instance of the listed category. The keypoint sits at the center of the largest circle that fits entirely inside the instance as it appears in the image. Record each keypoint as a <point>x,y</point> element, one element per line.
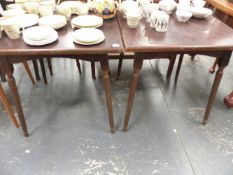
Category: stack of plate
<point>201,12</point>
<point>26,20</point>
<point>12,12</point>
<point>14,6</point>
<point>39,35</point>
<point>88,36</point>
<point>87,21</point>
<point>54,21</point>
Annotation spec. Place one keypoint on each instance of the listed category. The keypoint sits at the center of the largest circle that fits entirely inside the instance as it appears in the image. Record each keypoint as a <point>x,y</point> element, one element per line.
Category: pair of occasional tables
<point>206,37</point>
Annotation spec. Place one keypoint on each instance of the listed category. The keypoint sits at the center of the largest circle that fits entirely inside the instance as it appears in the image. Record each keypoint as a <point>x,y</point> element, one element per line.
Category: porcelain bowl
<point>201,12</point>
<point>198,3</point>
<point>167,6</point>
<point>183,15</point>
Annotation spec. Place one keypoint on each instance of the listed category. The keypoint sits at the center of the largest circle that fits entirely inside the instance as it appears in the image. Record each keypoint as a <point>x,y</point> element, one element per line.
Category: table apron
<point>161,55</point>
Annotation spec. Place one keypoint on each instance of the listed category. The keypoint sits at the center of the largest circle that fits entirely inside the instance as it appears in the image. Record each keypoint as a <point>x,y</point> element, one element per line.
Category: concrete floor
<point>69,131</point>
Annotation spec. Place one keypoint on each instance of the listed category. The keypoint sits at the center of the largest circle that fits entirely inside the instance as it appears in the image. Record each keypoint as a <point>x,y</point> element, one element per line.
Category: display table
<point>224,11</point>
<point>206,37</point>
<point>13,51</point>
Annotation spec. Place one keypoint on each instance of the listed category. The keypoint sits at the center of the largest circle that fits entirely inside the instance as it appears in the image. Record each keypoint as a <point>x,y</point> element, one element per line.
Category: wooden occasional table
<point>12,51</point>
<point>223,11</point>
<point>206,37</point>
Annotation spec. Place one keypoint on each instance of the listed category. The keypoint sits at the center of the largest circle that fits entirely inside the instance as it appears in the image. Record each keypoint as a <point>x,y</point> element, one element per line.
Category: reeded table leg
<point>218,76</point>
<point>79,67</point>
<point>43,70</point>
<point>171,65</point>
<point>14,91</point>
<point>119,66</point>
<point>137,65</point>
<point>179,66</point>
<point>108,93</point>
<point>93,70</point>
<point>35,65</point>
<point>50,66</point>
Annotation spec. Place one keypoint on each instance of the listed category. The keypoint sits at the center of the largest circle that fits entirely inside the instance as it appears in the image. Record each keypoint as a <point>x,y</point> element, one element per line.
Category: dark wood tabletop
<point>197,34</point>
<point>65,44</point>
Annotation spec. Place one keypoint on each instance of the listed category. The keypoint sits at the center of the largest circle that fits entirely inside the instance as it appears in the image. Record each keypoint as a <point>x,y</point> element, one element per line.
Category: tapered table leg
<point>8,107</point>
<point>93,70</point>
<point>36,70</point>
<point>119,66</point>
<point>2,75</point>
<point>137,65</point>
<point>43,70</point>
<point>79,67</point>
<point>213,67</point>
<point>108,93</point>
<point>179,66</point>
<point>29,72</point>
<point>223,62</point>
<point>50,66</point>
<point>14,91</point>
<point>171,65</point>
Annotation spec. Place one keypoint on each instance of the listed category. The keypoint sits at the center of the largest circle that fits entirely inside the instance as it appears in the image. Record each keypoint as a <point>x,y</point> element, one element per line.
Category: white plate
<point>80,27</point>
<point>201,12</point>
<point>49,40</point>
<point>26,20</point>
<point>38,33</point>
<point>14,6</point>
<point>12,12</point>
<point>88,35</point>
<point>54,21</point>
<point>92,43</point>
<point>87,21</point>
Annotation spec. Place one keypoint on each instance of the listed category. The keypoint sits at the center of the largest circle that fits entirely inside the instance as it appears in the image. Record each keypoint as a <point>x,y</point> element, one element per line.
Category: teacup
<point>167,5</point>
<point>46,10</point>
<point>11,28</point>
<point>155,14</point>
<point>133,18</point>
<point>159,20</point>
<point>32,7</point>
<point>126,5</point>
<point>83,9</point>
<point>64,10</point>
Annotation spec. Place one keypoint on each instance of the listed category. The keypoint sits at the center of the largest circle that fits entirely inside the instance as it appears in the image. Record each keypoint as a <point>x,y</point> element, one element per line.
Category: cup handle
<point>21,29</point>
<point>117,4</point>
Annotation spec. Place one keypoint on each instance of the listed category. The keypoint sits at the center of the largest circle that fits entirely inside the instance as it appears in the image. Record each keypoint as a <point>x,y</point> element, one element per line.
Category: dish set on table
<point>39,35</point>
<point>87,21</point>
<point>88,36</point>
<point>54,21</point>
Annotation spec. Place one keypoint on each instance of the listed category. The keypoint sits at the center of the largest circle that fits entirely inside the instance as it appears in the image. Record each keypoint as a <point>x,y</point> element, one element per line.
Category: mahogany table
<point>206,37</point>
<point>12,51</point>
<point>223,11</point>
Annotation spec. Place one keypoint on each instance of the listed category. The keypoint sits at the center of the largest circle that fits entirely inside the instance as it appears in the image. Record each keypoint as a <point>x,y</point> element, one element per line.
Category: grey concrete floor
<point>69,131</point>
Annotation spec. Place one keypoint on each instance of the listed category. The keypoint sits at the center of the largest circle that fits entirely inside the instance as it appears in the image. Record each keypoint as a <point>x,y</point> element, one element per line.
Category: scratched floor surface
<point>69,131</point>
